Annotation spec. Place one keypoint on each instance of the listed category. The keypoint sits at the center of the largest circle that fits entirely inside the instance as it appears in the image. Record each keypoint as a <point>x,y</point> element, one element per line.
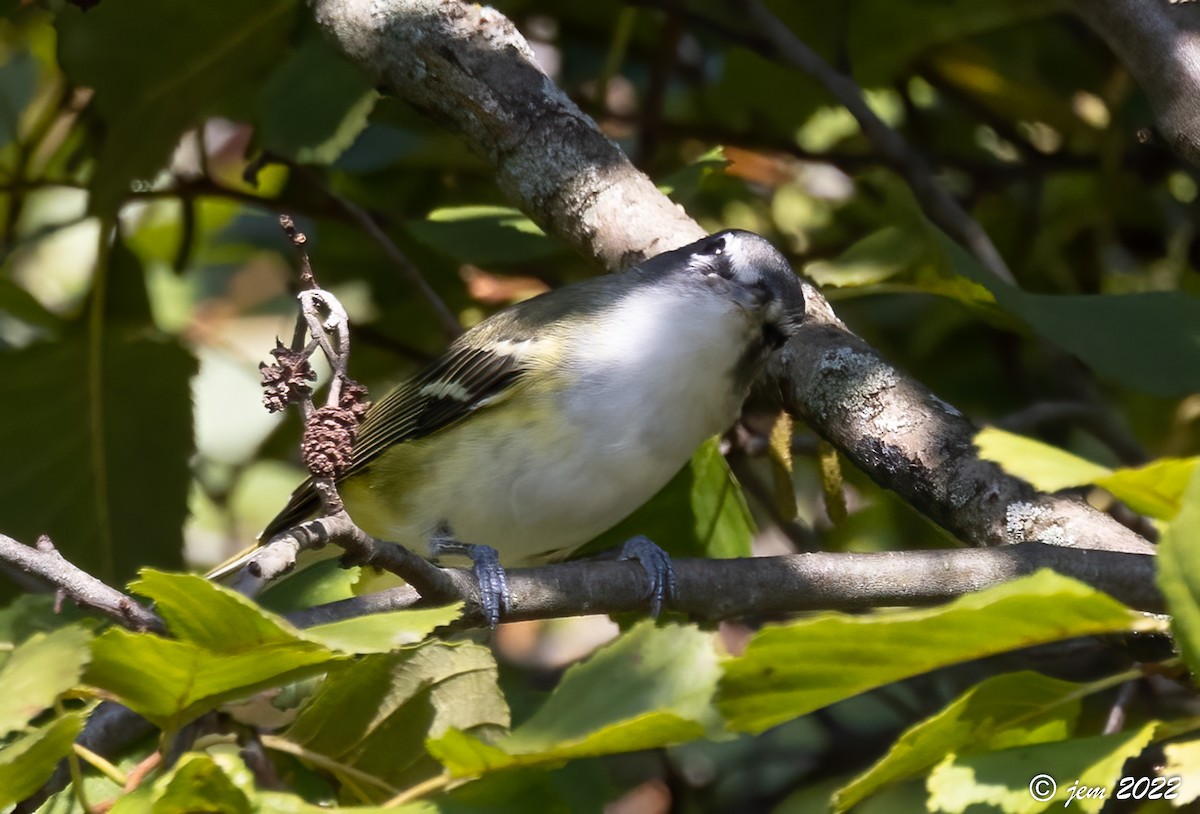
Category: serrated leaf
<point>27,762</point>
<point>41,669</point>
<point>1016,709</point>
<point>170,682</point>
<point>791,670</point>
<point>376,714</point>
<point>1155,489</point>
<point>1179,574</point>
<point>466,756</point>
<point>651,687</point>
<point>226,648</point>
<point>1183,762</point>
<point>111,500</point>
<point>216,618</point>
<point>159,67</point>
<point>1002,780</point>
<point>383,632</point>
<point>197,783</point>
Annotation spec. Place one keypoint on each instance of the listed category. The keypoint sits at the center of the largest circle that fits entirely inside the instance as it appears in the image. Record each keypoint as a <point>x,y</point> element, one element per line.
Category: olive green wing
<point>466,378</point>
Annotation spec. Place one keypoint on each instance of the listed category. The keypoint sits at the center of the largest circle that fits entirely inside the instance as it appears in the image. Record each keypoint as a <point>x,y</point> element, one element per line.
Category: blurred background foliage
<point>146,147</point>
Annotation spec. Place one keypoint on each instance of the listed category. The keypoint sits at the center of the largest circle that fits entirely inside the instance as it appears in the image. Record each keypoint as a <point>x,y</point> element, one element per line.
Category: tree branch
<point>468,67</point>
<point>1159,42</point>
<point>907,439</point>
<point>83,588</point>
<point>712,590</point>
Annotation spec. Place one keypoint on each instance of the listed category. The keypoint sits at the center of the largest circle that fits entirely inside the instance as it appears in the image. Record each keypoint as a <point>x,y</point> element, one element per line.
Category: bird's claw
<point>660,574</point>
<point>494,597</point>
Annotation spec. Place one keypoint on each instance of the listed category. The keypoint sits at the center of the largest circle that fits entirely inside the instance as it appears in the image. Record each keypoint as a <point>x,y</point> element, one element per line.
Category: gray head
<point>754,269</point>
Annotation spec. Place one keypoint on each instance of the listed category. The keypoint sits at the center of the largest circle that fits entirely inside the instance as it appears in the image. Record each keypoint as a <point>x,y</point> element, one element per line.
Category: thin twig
<point>278,557</point>
<point>86,590</point>
<point>446,319</point>
<point>937,204</point>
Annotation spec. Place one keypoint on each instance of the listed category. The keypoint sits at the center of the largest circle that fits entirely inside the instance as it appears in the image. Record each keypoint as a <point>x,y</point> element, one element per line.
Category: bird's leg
<point>660,574</point>
<point>494,597</point>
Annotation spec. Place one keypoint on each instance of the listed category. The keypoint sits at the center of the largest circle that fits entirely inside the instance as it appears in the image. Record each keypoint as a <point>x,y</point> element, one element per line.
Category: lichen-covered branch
<point>907,439</point>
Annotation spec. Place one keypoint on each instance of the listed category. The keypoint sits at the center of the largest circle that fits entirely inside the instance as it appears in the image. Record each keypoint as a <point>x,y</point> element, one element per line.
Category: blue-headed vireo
<point>551,421</point>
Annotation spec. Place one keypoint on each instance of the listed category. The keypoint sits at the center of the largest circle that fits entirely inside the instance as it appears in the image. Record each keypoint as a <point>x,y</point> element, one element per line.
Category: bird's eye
<point>715,246</point>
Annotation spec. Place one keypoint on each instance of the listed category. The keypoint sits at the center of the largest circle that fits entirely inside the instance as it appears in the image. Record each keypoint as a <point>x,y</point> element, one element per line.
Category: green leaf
<point>791,670</point>
<point>273,802</point>
<point>1015,709</point>
<point>226,648</point>
<point>41,669</point>
<point>376,714</point>
<point>1179,574</point>
<point>484,235</point>
<point>170,682</point>
<point>1155,489</point>
<point>383,632</point>
<point>197,783</point>
<point>315,104</point>
<point>1183,761</point>
<point>28,762</point>
<point>159,67</point>
<point>651,687</point>
<point>1156,348</point>
<point>874,259</point>
<point>1002,780</point>
<point>701,512</point>
<point>1045,467</point>
<point>111,500</point>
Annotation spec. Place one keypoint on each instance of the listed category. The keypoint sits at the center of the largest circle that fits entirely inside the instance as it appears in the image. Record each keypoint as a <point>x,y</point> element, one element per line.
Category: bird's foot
<point>660,574</point>
<point>494,597</point>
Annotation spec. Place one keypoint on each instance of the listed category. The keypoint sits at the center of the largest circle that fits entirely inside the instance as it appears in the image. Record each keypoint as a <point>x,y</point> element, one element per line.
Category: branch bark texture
<point>713,590</point>
<point>468,67</point>
<point>1159,42</point>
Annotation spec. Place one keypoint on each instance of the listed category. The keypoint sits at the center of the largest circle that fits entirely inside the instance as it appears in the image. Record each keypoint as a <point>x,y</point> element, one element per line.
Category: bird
<point>554,419</point>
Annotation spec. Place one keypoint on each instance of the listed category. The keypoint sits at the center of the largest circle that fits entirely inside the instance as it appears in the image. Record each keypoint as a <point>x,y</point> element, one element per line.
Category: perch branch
<point>711,590</point>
